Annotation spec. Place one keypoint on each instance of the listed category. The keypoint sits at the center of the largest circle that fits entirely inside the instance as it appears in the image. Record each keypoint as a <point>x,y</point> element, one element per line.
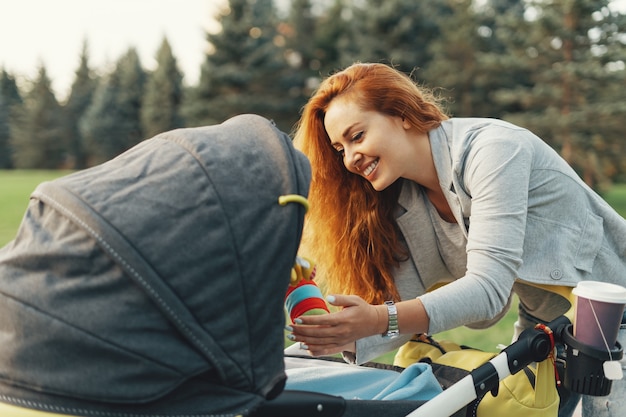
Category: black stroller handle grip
<point>535,345</point>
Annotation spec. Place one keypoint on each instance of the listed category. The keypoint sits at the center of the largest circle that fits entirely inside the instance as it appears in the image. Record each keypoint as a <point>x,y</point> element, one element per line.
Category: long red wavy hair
<point>350,229</point>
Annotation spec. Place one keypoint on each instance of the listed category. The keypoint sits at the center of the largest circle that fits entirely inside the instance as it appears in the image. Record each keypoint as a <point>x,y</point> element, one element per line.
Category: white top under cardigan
<point>522,214</point>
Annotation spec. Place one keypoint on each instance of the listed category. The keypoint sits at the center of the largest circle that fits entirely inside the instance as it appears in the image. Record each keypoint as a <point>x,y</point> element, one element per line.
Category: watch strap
<point>392,323</point>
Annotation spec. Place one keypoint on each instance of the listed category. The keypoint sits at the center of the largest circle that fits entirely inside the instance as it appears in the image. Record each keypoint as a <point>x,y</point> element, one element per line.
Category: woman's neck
<point>440,203</point>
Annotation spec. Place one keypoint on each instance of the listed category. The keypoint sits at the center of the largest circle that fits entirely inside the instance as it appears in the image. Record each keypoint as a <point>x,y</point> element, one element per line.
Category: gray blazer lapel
<point>416,226</point>
<point>440,143</point>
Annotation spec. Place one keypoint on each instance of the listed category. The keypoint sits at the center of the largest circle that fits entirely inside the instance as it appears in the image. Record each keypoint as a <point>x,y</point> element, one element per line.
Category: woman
<point>405,199</point>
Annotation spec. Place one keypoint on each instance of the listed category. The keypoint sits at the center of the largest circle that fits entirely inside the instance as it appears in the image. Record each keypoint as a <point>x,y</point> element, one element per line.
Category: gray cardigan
<point>525,214</point>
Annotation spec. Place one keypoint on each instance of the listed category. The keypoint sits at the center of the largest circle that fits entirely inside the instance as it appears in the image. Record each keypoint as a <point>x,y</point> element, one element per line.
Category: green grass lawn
<point>15,189</point>
<point>16,186</point>
<point>616,197</point>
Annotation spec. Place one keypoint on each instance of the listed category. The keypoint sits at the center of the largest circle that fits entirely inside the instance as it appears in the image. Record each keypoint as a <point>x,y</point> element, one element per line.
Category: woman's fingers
<point>340,300</point>
<point>320,336</point>
<point>330,350</point>
<point>332,332</point>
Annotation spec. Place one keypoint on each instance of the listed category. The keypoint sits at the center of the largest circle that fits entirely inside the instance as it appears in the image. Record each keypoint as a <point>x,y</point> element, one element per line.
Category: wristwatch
<point>392,326</point>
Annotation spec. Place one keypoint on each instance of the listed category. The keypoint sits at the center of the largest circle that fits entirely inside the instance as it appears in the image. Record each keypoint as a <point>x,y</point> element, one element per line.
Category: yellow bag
<point>531,392</point>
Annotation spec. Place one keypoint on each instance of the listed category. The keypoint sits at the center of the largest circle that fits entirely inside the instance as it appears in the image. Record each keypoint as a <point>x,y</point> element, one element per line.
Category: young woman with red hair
<point>405,199</point>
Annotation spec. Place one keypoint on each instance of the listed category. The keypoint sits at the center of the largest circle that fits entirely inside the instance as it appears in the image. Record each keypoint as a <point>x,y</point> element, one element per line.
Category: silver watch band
<point>392,326</point>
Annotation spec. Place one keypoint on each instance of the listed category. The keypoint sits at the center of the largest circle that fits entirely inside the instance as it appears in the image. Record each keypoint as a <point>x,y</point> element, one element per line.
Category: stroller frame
<point>533,345</point>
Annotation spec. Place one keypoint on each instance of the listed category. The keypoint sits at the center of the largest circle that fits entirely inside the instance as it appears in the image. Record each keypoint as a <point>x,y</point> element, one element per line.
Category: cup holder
<point>584,372</point>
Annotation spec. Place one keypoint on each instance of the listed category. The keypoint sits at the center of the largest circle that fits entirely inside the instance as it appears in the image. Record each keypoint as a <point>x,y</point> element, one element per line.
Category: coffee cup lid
<point>601,291</point>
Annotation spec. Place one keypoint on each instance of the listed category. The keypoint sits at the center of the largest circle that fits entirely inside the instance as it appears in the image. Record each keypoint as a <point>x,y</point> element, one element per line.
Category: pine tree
<point>9,89</point>
<point>298,29</point>
<point>132,82</point>
<point>498,71</point>
<point>468,58</point>
<point>300,51</point>
<point>163,94</point>
<point>454,65</point>
<point>10,102</point>
<point>247,71</point>
<point>80,97</point>
<point>332,36</point>
<point>112,123</point>
<point>37,129</point>
<point>566,49</point>
<point>398,32</point>
<point>5,150</point>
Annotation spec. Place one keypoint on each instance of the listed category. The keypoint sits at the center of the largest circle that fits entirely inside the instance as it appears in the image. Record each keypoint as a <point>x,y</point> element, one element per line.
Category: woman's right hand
<point>328,334</point>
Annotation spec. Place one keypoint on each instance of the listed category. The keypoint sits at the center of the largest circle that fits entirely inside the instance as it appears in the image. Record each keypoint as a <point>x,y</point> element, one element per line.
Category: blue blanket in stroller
<point>416,382</point>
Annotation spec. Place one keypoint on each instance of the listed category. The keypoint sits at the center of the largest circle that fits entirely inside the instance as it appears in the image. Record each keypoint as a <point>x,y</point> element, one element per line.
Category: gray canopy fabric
<point>153,284</point>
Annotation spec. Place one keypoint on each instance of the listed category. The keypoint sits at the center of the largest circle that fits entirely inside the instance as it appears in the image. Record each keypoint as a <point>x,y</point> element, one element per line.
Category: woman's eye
<point>357,136</point>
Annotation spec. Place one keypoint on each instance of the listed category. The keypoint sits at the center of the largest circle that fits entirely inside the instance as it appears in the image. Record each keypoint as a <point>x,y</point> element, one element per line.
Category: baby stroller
<point>153,284</point>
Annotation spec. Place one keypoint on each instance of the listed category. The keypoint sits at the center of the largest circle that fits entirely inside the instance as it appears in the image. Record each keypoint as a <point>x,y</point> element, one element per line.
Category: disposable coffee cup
<point>598,313</point>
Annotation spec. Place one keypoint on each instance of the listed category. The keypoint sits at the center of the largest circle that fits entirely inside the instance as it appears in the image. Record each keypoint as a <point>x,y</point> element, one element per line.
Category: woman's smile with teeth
<point>370,168</point>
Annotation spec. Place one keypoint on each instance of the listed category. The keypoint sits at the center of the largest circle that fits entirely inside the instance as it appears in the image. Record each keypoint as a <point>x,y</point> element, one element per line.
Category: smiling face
<point>374,145</point>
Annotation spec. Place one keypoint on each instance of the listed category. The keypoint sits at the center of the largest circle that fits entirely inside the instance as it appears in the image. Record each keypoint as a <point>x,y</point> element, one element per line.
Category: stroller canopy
<point>153,284</point>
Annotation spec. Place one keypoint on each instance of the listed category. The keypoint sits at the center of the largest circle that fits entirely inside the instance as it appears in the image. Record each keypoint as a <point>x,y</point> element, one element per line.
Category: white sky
<point>53,32</point>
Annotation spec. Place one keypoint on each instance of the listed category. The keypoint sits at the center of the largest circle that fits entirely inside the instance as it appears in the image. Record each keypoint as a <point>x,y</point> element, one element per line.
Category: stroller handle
<point>534,345</point>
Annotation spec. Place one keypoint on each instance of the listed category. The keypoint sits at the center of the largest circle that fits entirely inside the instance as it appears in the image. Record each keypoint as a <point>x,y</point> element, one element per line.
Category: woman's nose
<point>352,159</point>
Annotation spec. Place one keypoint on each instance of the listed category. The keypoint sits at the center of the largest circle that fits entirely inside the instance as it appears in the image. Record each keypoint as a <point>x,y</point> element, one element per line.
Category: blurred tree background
<point>557,67</point>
